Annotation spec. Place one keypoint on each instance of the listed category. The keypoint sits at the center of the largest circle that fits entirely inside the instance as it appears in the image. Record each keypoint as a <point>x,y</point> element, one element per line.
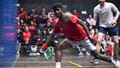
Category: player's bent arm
<point>95,15</point>
<point>115,9</point>
<point>117,15</point>
<point>85,27</point>
<point>48,41</point>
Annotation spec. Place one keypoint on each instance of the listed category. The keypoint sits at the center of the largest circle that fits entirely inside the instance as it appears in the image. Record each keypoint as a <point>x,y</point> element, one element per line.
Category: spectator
<point>76,13</point>
<point>42,20</point>
<point>26,35</point>
<point>32,27</point>
<point>90,21</point>
<point>33,13</point>
<point>22,14</point>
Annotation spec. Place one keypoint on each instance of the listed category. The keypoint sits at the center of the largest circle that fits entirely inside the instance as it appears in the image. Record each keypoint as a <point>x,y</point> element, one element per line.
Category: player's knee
<point>116,42</point>
<point>99,41</point>
<point>58,47</point>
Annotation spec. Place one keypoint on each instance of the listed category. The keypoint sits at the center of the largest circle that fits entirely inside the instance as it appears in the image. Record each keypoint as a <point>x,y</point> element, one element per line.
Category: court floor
<point>68,61</point>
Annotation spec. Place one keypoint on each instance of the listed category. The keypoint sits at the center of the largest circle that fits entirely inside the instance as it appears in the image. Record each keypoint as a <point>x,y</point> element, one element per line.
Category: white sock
<point>58,65</point>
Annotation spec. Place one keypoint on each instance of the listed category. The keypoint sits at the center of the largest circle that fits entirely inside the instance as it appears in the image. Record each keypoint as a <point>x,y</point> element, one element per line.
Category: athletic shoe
<point>87,54</point>
<point>116,62</point>
<point>58,65</point>
<point>94,61</point>
<point>80,54</point>
<point>48,53</point>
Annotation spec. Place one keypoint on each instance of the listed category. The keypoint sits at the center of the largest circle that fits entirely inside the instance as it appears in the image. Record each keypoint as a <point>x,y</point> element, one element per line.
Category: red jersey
<point>32,28</point>
<point>26,36</point>
<point>23,14</point>
<point>71,29</point>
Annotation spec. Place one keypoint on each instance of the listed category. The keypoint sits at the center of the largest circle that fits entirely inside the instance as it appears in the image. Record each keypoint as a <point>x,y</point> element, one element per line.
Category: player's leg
<point>100,56</point>
<point>116,46</point>
<point>58,51</point>
<point>114,34</point>
<point>89,46</point>
<point>101,34</point>
<point>116,62</point>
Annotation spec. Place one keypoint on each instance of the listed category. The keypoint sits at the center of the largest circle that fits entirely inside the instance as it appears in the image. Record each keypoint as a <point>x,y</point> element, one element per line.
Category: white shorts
<point>84,43</point>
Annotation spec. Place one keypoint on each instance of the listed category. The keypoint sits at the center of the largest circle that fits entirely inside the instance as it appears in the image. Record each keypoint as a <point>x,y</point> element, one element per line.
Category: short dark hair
<point>57,5</point>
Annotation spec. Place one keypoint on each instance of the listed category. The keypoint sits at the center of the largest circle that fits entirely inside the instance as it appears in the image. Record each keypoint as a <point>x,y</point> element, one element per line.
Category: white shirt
<point>91,21</point>
<point>105,14</point>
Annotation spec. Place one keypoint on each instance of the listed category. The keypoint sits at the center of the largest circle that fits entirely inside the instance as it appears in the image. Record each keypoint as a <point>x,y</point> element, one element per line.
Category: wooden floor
<point>68,61</point>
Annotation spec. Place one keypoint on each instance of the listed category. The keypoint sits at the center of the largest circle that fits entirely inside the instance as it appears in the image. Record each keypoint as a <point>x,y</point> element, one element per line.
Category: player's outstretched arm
<point>47,42</point>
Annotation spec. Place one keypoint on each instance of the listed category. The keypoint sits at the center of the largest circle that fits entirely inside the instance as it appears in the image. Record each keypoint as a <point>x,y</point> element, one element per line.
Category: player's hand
<point>43,47</point>
<point>114,22</point>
